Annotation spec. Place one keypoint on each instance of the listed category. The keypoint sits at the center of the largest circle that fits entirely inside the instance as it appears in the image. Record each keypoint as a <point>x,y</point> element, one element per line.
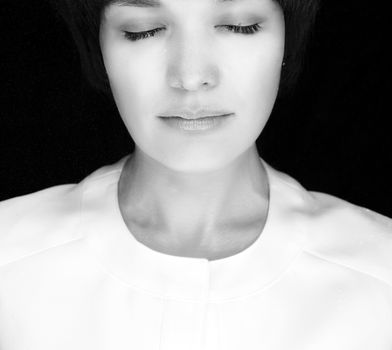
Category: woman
<point>192,241</point>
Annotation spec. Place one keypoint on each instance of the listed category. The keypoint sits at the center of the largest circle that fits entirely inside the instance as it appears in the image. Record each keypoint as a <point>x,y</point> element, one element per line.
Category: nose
<point>191,66</point>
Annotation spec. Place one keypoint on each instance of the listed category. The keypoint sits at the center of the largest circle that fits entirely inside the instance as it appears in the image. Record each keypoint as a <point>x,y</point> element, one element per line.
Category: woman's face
<point>193,59</point>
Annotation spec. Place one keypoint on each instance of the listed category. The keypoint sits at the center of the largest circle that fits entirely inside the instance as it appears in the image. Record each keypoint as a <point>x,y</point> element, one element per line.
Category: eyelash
<point>134,36</point>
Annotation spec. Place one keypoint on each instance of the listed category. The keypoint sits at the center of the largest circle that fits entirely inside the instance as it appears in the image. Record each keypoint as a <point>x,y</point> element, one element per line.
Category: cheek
<point>133,80</point>
<point>126,73</point>
<point>264,78</point>
<point>255,77</point>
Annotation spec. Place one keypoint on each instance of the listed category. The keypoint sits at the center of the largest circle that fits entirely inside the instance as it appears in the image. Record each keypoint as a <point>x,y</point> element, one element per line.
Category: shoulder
<point>38,221</point>
<point>351,235</point>
<point>45,219</point>
<point>338,231</point>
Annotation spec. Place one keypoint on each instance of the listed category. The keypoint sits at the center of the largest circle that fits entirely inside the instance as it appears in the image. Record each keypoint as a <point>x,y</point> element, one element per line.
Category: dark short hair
<point>83,18</point>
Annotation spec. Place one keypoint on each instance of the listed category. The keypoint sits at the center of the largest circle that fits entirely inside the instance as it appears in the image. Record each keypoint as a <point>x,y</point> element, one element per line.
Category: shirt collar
<point>111,244</point>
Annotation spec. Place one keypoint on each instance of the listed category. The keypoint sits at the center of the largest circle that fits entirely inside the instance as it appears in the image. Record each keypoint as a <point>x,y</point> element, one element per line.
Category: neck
<point>192,205</point>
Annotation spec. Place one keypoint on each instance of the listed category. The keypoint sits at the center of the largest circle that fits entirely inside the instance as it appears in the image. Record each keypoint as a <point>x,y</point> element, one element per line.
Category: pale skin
<point>203,195</point>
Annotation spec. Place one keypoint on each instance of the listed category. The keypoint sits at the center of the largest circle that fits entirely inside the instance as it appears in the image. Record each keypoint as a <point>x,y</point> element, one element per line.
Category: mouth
<point>186,112</point>
<point>197,125</point>
<point>187,117</point>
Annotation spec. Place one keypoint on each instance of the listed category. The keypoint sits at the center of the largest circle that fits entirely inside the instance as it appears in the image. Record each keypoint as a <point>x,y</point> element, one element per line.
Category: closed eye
<point>251,29</point>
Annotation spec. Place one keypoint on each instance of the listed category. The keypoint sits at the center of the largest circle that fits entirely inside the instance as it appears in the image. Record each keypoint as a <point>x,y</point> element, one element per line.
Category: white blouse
<point>72,276</point>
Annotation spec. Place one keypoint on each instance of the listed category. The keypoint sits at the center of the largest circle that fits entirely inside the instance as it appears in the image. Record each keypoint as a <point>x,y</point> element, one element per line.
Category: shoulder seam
<point>105,174</point>
<point>79,222</point>
<point>292,185</point>
<point>40,251</point>
<point>98,177</point>
<point>348,267</point>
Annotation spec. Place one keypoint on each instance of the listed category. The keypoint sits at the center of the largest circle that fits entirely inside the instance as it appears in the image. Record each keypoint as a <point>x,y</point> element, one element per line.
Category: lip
<point>195,114</point>
<point>205,125</point>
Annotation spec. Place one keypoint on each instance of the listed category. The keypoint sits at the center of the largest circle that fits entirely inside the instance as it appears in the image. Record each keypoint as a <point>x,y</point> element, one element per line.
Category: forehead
<point>157,3</point>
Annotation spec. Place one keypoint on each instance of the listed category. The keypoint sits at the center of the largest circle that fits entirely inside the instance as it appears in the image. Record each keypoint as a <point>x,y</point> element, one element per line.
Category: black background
<point>332,136</point>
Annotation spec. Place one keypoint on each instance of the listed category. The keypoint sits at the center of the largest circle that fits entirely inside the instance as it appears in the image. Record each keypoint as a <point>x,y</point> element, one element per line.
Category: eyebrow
<point>149,3</point>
